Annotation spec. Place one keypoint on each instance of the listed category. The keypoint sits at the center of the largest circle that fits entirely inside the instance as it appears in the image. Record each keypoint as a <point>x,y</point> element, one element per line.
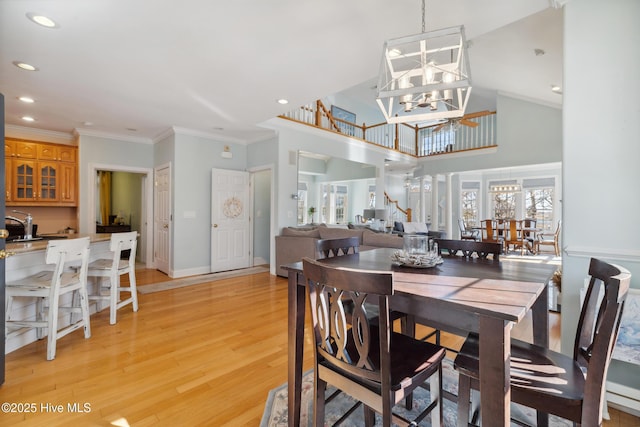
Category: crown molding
<point>119,137</point>
<point>23,132</point>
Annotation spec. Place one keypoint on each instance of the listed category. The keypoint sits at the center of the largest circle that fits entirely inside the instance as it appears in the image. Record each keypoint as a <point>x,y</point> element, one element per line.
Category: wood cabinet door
<point>25,150</point>
<point>7,180</point>
<point>67,154</point>
<point>24,180</point>
<point>68,183</point>
<point>48,182</point>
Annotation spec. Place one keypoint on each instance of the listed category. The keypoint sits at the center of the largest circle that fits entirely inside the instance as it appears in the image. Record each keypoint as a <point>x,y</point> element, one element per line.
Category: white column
<point>423,204</point>
<point>435,220</point>
<point>449,207</point>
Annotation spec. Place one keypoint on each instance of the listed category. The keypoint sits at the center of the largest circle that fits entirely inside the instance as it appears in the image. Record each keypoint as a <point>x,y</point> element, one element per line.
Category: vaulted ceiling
<point>139,67</point>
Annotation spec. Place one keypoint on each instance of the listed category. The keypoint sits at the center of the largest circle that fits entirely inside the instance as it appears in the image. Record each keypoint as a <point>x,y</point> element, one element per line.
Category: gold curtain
<point>104,178</point>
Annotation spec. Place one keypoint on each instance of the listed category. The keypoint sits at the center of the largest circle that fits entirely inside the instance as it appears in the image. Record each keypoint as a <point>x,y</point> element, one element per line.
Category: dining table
<point>460,295</point>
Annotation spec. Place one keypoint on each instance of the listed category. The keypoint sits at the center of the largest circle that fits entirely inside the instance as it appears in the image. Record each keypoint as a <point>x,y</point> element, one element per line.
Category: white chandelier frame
<point>425,77</point>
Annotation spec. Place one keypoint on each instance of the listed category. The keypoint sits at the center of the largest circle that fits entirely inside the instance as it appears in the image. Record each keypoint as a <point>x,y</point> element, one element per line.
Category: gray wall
<point>262,216</point>
<point>106,151</point>
<point>194,157</point>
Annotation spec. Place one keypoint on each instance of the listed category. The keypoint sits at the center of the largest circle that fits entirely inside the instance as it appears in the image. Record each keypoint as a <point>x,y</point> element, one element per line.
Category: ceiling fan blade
<point>477,114</point>
<point>469,123</point>
<point>440,126</point>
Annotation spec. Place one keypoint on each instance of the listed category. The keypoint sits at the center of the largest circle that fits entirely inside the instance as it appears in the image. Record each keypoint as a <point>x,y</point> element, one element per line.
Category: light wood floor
<point>202,355</point>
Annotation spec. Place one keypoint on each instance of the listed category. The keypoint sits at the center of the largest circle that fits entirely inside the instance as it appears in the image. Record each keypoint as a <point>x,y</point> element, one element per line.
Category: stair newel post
<point>318,113</point>
<point>396,141</point>
<point>417,132</point>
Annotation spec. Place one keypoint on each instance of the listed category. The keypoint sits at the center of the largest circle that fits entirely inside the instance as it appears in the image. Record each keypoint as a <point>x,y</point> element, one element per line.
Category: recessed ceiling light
<point>556,89</point>
<point>27,99</point>
<point>394,53</point>
<point>42,20</point>
<point>283,101</point>
<point>28,119</point>
<point>25,66</point>
<point>87,123</point>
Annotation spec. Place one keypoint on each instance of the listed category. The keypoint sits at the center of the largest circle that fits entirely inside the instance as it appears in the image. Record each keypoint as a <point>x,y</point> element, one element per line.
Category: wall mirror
<point>332,190</point>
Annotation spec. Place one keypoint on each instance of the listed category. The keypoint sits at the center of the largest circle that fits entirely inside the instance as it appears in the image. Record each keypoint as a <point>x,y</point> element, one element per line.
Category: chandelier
<point>424,77</point>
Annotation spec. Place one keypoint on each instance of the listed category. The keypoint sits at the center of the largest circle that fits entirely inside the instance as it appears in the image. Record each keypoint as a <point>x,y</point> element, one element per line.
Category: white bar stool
<point>113,269</point>
<point>65,278</point>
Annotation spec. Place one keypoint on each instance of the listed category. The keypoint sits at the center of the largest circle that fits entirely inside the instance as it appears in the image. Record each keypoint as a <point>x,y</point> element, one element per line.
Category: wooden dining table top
<point>502,288</point>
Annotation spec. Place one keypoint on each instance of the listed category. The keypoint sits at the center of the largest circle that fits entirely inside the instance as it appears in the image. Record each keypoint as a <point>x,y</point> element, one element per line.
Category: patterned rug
<point>275,412</point>
<point>196,280</point>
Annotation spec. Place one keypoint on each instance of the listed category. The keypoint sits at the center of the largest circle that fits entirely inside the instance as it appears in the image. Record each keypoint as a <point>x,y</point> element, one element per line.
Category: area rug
<point>196,280</point>
<point>276,413</point>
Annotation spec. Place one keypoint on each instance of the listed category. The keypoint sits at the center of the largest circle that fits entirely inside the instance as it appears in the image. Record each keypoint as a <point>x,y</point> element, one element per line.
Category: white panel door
<point>230,248</point>
<point>162,219</point>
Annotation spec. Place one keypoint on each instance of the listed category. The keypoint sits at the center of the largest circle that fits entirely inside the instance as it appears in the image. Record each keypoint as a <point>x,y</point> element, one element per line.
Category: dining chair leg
<point>464,398</point>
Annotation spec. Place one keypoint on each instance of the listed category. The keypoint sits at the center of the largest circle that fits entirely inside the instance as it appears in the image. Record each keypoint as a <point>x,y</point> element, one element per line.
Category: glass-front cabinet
<point>40,174</point>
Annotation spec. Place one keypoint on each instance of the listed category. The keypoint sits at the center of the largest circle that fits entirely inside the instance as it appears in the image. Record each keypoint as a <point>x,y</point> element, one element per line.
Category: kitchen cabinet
<point>39,174</point>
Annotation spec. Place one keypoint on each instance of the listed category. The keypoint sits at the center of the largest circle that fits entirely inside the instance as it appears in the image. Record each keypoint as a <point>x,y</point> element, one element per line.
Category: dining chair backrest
<point>63,252</point>
<point>600,315</point>
<point>326,248</point>
<point>354,352</point>
<point>350,350</point>
<point>469,248</point>
<point>490,231</point>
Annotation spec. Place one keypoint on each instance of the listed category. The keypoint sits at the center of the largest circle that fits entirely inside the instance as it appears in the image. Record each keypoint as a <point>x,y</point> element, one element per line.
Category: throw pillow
<point>370,238</point>
<point>415,227</point>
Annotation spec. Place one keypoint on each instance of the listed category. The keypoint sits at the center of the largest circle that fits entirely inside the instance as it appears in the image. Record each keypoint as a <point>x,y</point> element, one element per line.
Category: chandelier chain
<point>423,15</point>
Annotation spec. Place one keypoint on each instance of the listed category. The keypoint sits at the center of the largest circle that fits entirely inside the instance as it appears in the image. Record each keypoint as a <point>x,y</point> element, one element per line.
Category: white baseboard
<point>623,398</point>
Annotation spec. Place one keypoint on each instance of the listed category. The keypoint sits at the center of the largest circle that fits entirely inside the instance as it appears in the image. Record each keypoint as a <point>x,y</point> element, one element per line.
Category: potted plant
<point>312,211</point>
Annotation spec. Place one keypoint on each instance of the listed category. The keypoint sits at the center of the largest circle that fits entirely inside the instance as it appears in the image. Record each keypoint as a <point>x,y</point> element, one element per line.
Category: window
<point>341,204</point>
<point>504,205</point>
<point>539,195</point>
<point>469,203</point>
<point>334,204</point>
<point>302,203</point>
<point>437,142</point>
<point>372,196</point>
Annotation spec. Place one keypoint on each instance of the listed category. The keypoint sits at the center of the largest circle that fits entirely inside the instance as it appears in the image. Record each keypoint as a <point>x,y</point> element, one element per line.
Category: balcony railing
<point>412,140</point>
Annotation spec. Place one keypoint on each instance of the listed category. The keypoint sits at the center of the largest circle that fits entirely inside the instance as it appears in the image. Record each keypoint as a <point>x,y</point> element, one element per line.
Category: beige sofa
<point>294,243</point>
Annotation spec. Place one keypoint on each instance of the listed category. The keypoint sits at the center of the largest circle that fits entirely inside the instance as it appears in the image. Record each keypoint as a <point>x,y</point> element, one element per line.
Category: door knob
<point>4,233</point>
<point>165,226</point>
<point>215,225</point>
<point>4,254</point>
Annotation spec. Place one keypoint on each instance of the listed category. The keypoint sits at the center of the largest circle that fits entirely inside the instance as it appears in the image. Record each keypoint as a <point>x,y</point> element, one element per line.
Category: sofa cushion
<point>339,233</point>
<point>415,227</point>
<point>369,238</point>
<point>289,231</point>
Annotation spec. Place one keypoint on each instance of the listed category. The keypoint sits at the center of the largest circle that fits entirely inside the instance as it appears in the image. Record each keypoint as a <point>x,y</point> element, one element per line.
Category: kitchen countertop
<point>41,245</point>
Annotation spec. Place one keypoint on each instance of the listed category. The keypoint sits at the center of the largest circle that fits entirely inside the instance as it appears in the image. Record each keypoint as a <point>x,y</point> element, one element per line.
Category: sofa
<point>294,243</point>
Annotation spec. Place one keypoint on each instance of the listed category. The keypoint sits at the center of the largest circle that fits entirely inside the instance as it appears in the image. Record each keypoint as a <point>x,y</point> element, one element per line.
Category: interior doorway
<point>131,204</point>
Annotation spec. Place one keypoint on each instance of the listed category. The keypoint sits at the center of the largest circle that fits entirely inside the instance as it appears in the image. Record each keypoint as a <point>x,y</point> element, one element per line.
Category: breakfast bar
<point>26,258</point>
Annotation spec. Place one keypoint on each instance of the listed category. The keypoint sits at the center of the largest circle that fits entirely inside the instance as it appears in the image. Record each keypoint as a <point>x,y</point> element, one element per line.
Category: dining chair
<point>368,361</point>
<point>111,269</point>
<point>514,236</point>
<point>469,249</point>
<point>490,232</point>
<point>554,383</point>
<point>550,240</point>
<point>57,287</point>
<point>465,233</point>
<point>326,248</point>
